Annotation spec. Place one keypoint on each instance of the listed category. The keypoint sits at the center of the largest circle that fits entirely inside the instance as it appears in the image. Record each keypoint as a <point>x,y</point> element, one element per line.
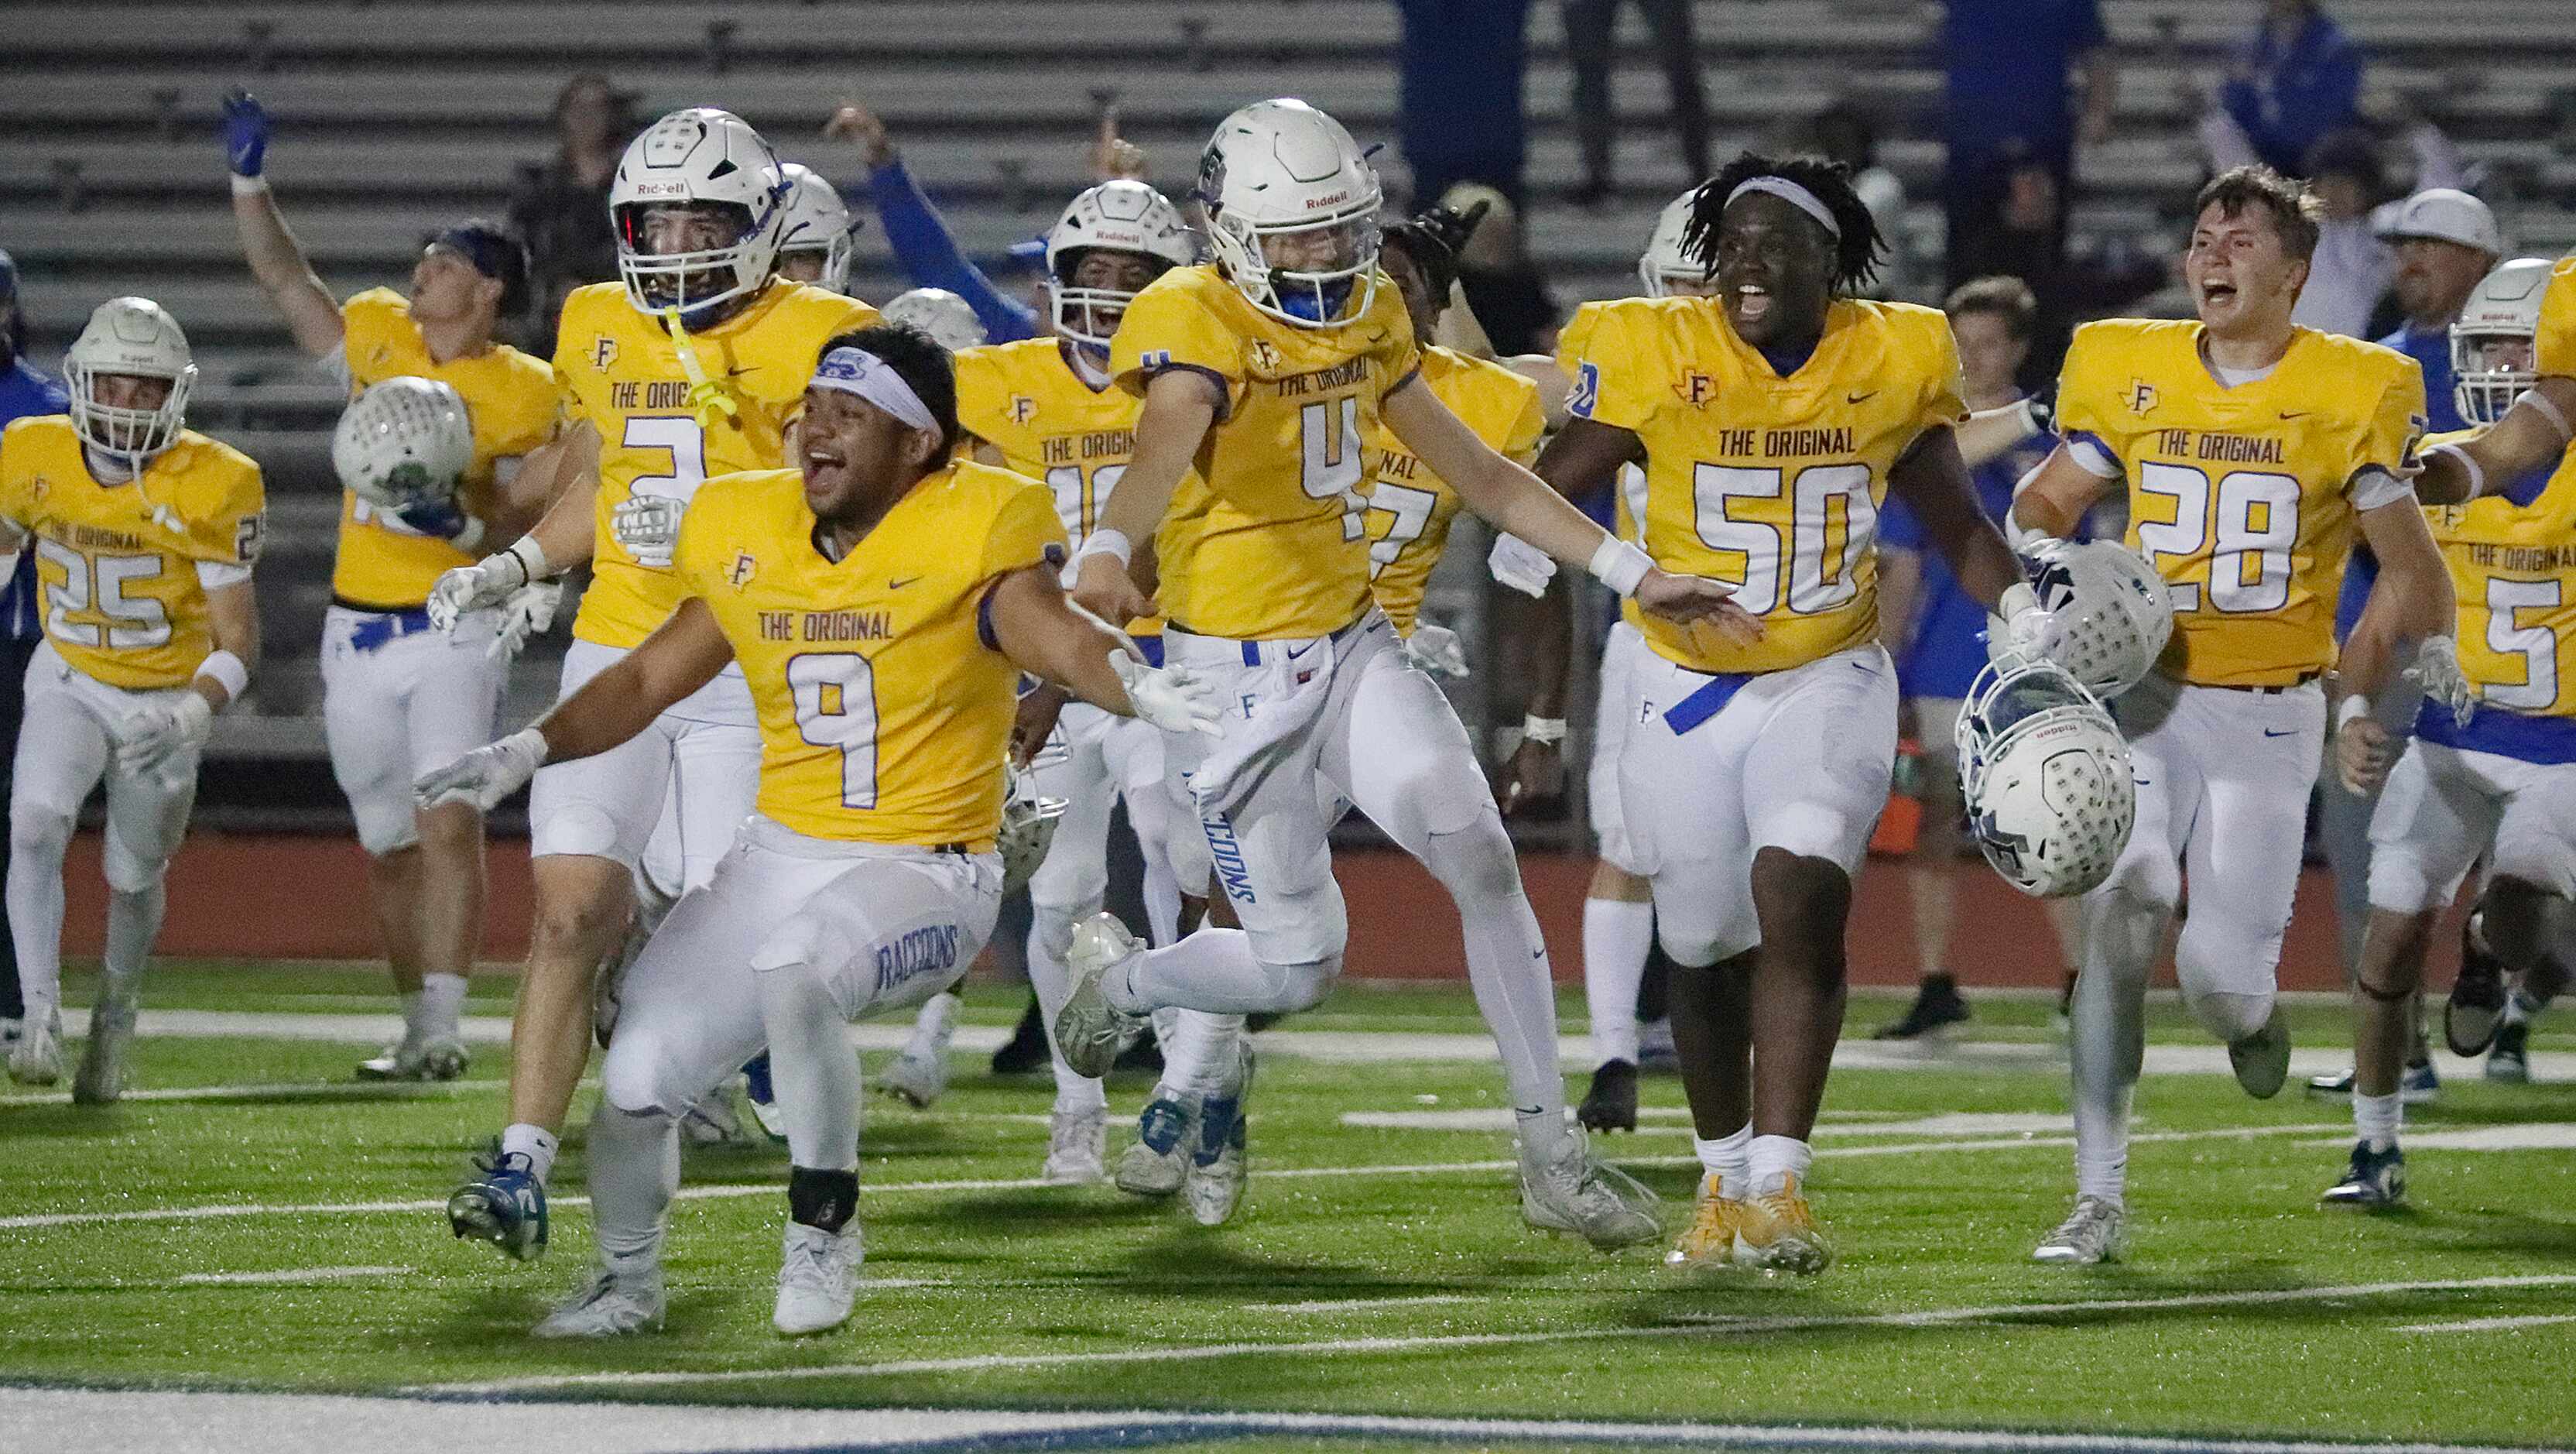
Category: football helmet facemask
<point>2045,776</point>
<point>815,223</point>
<point>2503,307</point>
<point>1120,216</point>
<point>1292,210</point>
<point>129,337</point>
<point>708,165</point>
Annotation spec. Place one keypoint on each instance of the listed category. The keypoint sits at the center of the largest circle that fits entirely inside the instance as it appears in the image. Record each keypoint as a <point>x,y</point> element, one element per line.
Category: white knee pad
<point>1476,863</point>
<point>637,1078</point>
<point>2145,882</point>
<point>1300,986</point>
<point>1307,927</point>
<point>2227,1014</point>
<point>579,828</point>
<point>384,828</point>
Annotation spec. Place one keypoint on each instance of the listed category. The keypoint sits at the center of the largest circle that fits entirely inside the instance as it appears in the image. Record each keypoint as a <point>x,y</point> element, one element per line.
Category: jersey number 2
<point>686,444</point>
<point>836,707</point>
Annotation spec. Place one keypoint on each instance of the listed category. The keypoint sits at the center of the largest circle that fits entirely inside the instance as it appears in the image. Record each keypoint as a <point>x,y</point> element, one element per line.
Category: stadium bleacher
<point>111,178</point>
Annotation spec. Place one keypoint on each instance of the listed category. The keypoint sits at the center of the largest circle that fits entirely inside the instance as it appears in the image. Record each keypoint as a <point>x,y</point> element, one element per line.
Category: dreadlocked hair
<point>1856,252</point>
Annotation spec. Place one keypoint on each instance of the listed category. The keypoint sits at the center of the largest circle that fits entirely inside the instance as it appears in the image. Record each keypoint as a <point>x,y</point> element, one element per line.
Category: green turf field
<point>1377,1268</point>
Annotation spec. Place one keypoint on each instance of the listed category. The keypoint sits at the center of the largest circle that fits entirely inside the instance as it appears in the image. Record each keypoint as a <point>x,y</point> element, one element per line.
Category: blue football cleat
<point>505,1205</point>
<point>2374,1179</point>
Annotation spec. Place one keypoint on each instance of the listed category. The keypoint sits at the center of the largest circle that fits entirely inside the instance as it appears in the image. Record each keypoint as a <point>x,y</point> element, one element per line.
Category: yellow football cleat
<point>1708,1244</point>
<point>1778,1232</point>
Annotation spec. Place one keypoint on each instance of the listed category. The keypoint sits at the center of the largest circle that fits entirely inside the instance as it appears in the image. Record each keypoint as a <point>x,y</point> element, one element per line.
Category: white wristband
<point>2540,401</point>
<point>2477,474</point>
<point>531,558</point>
<point>248,186</point>
<point>227,671</point>
<point>1619,565</point>
<point>1104,541</point>
<point>2355,705</point>
<point>1547,730</point>
<point>530,741</point>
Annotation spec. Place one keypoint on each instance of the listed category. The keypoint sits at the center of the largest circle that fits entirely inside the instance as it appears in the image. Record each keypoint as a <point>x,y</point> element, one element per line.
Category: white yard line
<point>723,1191</point>
<point>279,1090</point>
<point>2489,1325</point>
<point>286,1274</point>
<point>1699,1328</point>
<point>1365,1304</point>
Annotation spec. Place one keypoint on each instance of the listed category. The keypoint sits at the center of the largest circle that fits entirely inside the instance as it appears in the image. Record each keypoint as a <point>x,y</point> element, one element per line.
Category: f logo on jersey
<point>1023,408</point>
<point>603,352</point>
<point>2142,396</point>
<point>738,575</point>
<point>1696,389</point>
<point>1264,357</point>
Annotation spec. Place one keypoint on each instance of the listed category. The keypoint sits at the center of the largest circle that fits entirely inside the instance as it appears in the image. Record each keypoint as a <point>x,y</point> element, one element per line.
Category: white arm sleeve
<point>2372,487</point>
<point>216,574</point>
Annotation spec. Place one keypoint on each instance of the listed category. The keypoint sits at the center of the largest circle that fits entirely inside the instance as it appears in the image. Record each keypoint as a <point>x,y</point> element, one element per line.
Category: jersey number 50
<point>1815,584</point>
<point>2252,519</point>
<point>836,707</point>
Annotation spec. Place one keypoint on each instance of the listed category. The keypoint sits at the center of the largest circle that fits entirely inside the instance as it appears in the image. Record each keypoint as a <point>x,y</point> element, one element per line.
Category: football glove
<point>1437,650</point>
<point>530,611</point>
<point>2437,671</point>
<point>1520,565</point>
<point>161,730</point>
<point>245,132</point>
<point>2020,626</point>
<point>648,526</point>
<point>1171,698</point>
<point>484,776</point>
<point>487,582</point>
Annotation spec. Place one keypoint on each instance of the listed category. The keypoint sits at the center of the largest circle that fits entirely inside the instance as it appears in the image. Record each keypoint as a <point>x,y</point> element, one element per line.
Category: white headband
<point>851,370</point>
<point>1793,194</point>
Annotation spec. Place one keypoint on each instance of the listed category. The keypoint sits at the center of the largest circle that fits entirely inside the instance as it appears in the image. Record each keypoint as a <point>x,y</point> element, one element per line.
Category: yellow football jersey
<point>2241,498</point>
<point>2513,567</point>
<point>618,369</point>
<point>2555,344</point>
<point>117,564</point>
<point>884,704</point>
<point>1628,490</point>
<point>1279,551</point>
<point>1410,508</point>
<point>510,399</point>
<point>1772,483</point>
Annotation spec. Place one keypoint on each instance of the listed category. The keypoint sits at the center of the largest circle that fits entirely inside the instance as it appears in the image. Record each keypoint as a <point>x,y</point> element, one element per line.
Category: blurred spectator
<point>23,391</point>
<point>2019,231</point>
<point>2009,93</point>
<point>561,208</point>
<point>2296,81</point>
<point>2446,240</point>
<point>1504,287</point>
<point>1591,40</point>
<point>1458,103</point>
<point>1845,133</point>
<point>920,237</point>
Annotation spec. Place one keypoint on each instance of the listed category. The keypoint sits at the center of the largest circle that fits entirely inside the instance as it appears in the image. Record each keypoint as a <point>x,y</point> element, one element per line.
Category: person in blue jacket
<point>24,390</point>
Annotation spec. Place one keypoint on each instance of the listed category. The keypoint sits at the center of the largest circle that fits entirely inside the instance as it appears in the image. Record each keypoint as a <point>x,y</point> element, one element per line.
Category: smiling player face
<point>855,455</point>
<point>1774,271</point>
<point>2243,280</point>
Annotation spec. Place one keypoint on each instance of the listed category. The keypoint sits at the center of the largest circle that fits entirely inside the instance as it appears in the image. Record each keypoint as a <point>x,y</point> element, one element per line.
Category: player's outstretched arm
<point>1042,632</point>
<point>1932,480</point>
<point>2531,435</point>
<point>1512,499</point>
<point>612,707</point>
<point>2053,499</point>
<point>276,260</point>
<point>1990,433</point>
<point>1180,408</point>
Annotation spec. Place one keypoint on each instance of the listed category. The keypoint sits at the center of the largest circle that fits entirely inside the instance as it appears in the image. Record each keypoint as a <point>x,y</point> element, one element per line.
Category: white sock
<point>1201,1057</point>
<point>811,1069</point>
<point>1540,1135</point>
<point>634,1159</point>
<point>2377,1118</point>
<point>133,922</point>
<point>412,1028</point>
<point>1617,936</point>
<point>1210,969</point>
<point>1725,1157</point>
<point>1771,1160</point>
<point>2108,1021</point>
<point>1507,963</point>
<point>35,897</point>
<point>533,1142</point>
<point>933,1026</point>
<point>440,1006</point>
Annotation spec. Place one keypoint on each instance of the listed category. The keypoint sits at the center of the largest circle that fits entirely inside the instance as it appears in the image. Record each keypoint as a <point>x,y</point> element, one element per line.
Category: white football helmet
<point>1029,822</point>
<point>1120,216</point>
<point>2045,776</point>
<point>2110,613</point>
<point>2505,305</point>
<point>1664,263</point>
<point>938,312</point>
<point>815,220</point>
<point>1283,172</point>
<point>403,442</point>
<point>710,158</point>
<point>132,337</point>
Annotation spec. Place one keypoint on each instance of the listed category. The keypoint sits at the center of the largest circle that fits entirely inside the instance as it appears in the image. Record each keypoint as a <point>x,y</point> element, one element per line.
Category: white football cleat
<point>1213,1183</point>
<point>717,1120</point>
<point>1159,1159</point>
<point>101,1077</point>
<point>613,1302</point>
<point>437,1057</point>
<point>918,1076</point>
<point>1089,1031</point>
<point>37,1058</point>
<point>1077,1144</point>
<point>2096,1231</point>
<point>818,1279</point>
<point>1570,1192</point>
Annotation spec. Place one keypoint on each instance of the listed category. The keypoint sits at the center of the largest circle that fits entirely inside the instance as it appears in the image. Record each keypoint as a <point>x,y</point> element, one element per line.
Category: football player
<point>881,598</point>
<point>2253,452</point>
<point>1772,418</point>
<point>1047,408</point>
<point>2502,783</point>
<point>398,698</point>
<point>815,232</point>
<point>691,366</point>
<point>1272,369</point>
<point>1932,628</point>
<point>145,532</point>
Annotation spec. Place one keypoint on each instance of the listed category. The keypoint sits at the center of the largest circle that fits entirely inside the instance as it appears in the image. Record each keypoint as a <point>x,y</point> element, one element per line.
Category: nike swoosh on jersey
<point>899,585</point>
<point>1301,651</point>
<point>2286,414</point>
<point>2285,732</point>
<point>1858,398</point>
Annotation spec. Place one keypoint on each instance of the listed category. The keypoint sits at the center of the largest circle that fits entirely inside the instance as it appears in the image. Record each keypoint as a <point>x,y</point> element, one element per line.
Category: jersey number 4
<point>1333,467</point>
<point>836,707</point>
<point>2246,526</point>
<point>98,587</point>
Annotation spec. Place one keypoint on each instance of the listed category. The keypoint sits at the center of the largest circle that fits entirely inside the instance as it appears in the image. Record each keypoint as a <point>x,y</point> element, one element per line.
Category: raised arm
<point>2053,500</point>
<point>919,235</point>
<point>312,314</point>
